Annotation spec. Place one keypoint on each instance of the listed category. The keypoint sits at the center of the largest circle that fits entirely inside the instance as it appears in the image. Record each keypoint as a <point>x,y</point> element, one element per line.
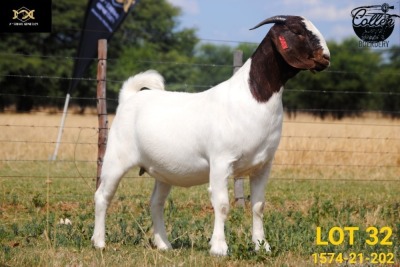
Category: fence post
<point>101,105</point>
<point>238,181</point>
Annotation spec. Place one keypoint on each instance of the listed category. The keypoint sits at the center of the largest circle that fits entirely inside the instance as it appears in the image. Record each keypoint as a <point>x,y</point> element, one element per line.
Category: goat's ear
<point>293,48</point>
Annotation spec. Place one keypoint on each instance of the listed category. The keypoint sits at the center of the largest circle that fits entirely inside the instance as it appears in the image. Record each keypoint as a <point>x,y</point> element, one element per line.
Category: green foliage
<point>358,80</point>
<point>388,81</point>
<point>144,42</point>
<point>46,53</point>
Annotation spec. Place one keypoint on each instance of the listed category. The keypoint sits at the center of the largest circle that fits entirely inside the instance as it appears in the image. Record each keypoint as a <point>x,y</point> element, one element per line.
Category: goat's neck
<point>268,71</point>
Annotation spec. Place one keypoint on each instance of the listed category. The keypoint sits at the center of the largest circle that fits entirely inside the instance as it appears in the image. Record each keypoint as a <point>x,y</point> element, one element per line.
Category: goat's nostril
<point>326,56</point>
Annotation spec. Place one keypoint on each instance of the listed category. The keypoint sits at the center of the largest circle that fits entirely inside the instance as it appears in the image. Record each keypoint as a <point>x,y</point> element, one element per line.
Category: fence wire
<point>339,155</point>
<point>384,149</point>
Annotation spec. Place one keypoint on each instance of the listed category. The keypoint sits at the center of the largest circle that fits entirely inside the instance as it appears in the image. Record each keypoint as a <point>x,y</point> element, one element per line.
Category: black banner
<point>102,19</point>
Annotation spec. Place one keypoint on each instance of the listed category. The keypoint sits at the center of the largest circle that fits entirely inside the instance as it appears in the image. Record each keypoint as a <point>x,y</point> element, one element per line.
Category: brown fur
<point>268,71</point>
<point>287,49</point>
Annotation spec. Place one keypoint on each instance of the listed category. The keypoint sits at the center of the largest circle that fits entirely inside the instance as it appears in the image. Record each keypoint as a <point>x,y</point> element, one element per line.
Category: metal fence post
<point>238,181</point>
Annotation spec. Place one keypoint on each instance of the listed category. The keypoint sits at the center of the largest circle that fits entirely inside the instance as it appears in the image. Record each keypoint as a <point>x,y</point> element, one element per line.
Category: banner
<point>102,19</point>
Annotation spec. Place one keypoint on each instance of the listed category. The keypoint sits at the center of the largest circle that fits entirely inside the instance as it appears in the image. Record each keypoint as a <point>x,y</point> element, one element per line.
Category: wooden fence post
<point>238,181</point>
<point>101,105</point>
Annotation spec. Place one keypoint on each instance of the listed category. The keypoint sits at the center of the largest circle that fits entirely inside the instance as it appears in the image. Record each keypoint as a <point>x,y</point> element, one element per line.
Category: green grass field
<point>36,194</point>
<point>31,235</point>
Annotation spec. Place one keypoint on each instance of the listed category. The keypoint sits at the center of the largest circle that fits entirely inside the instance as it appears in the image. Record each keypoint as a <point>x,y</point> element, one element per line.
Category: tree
<point>214,65</point>
<point>150,39</point>
<point>151,29</point>
<point>339,91</point>
<point>386,84</point>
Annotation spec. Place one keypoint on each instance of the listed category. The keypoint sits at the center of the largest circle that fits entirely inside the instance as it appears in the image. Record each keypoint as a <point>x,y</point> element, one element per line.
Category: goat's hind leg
<point>160,194</point>
<point>112,172</point>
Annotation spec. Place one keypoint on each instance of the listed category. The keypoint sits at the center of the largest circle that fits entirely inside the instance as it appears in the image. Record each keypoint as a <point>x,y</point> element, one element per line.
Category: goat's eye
<point>297,31</point>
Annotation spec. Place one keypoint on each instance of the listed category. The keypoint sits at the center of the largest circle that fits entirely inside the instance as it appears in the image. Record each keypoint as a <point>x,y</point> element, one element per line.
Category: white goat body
<point>232,129</point>
<point>177,135</point>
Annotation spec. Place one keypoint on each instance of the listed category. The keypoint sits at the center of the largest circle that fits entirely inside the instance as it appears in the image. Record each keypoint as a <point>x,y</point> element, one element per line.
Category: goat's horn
<point>276,19</point>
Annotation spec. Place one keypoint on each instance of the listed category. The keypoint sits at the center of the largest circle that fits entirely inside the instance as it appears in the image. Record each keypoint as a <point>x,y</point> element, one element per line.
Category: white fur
<point>187,139</point>
<point>184,139</point>
<point>150,79</point>
<point>310,26</point>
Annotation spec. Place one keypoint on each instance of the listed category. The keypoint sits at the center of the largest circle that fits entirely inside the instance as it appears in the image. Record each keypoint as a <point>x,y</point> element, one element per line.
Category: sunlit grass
<point>294,210</point>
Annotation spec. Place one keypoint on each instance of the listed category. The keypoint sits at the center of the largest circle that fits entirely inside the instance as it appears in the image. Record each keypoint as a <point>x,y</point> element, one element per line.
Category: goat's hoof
<point>219,249</point>
<point>162,243</point>
<point>98,244</point>
<point>164,246</point>
<point>262,244</point>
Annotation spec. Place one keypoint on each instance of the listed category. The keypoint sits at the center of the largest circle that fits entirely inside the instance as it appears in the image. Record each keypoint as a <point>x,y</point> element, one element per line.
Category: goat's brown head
<point>299,42</point>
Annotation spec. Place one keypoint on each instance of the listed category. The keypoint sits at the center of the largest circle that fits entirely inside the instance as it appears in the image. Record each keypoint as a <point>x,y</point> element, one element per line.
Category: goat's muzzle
<point>321,61</point>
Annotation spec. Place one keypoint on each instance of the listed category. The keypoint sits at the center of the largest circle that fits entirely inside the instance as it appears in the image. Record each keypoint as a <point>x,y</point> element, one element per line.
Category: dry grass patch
<point>315,182</point>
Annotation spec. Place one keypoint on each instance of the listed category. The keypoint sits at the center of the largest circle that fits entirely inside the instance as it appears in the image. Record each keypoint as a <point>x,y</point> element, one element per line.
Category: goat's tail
<point>150,79</point>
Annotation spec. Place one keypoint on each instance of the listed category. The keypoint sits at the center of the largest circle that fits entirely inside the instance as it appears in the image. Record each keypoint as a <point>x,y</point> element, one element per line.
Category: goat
<point>187,139</point>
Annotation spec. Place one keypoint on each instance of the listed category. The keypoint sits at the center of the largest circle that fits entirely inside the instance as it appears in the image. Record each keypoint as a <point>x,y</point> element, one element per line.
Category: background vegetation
<point>143,42</point>
<point>326,173</point>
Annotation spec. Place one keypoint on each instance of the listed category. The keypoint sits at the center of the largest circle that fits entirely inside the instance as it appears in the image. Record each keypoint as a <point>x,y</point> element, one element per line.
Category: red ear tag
<point>283,42</point>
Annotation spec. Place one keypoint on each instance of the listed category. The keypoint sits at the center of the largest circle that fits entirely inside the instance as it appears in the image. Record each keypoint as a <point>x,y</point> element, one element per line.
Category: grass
<point>36,194</point>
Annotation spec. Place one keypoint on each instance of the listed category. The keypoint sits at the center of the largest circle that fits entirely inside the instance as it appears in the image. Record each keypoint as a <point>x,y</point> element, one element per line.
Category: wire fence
<point>353,149</point>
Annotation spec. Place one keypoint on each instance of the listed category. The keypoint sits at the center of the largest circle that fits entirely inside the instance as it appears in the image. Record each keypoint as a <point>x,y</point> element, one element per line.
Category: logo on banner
<point>23,14</point>
<point>374,24</point>
<point>107,12</point>
<point>126,3</point>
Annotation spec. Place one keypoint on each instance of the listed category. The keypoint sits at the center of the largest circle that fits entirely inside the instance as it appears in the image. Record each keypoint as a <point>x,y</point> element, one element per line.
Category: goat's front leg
<point>160,194</point>
<point>220,200</point>
<point>257,188</point>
